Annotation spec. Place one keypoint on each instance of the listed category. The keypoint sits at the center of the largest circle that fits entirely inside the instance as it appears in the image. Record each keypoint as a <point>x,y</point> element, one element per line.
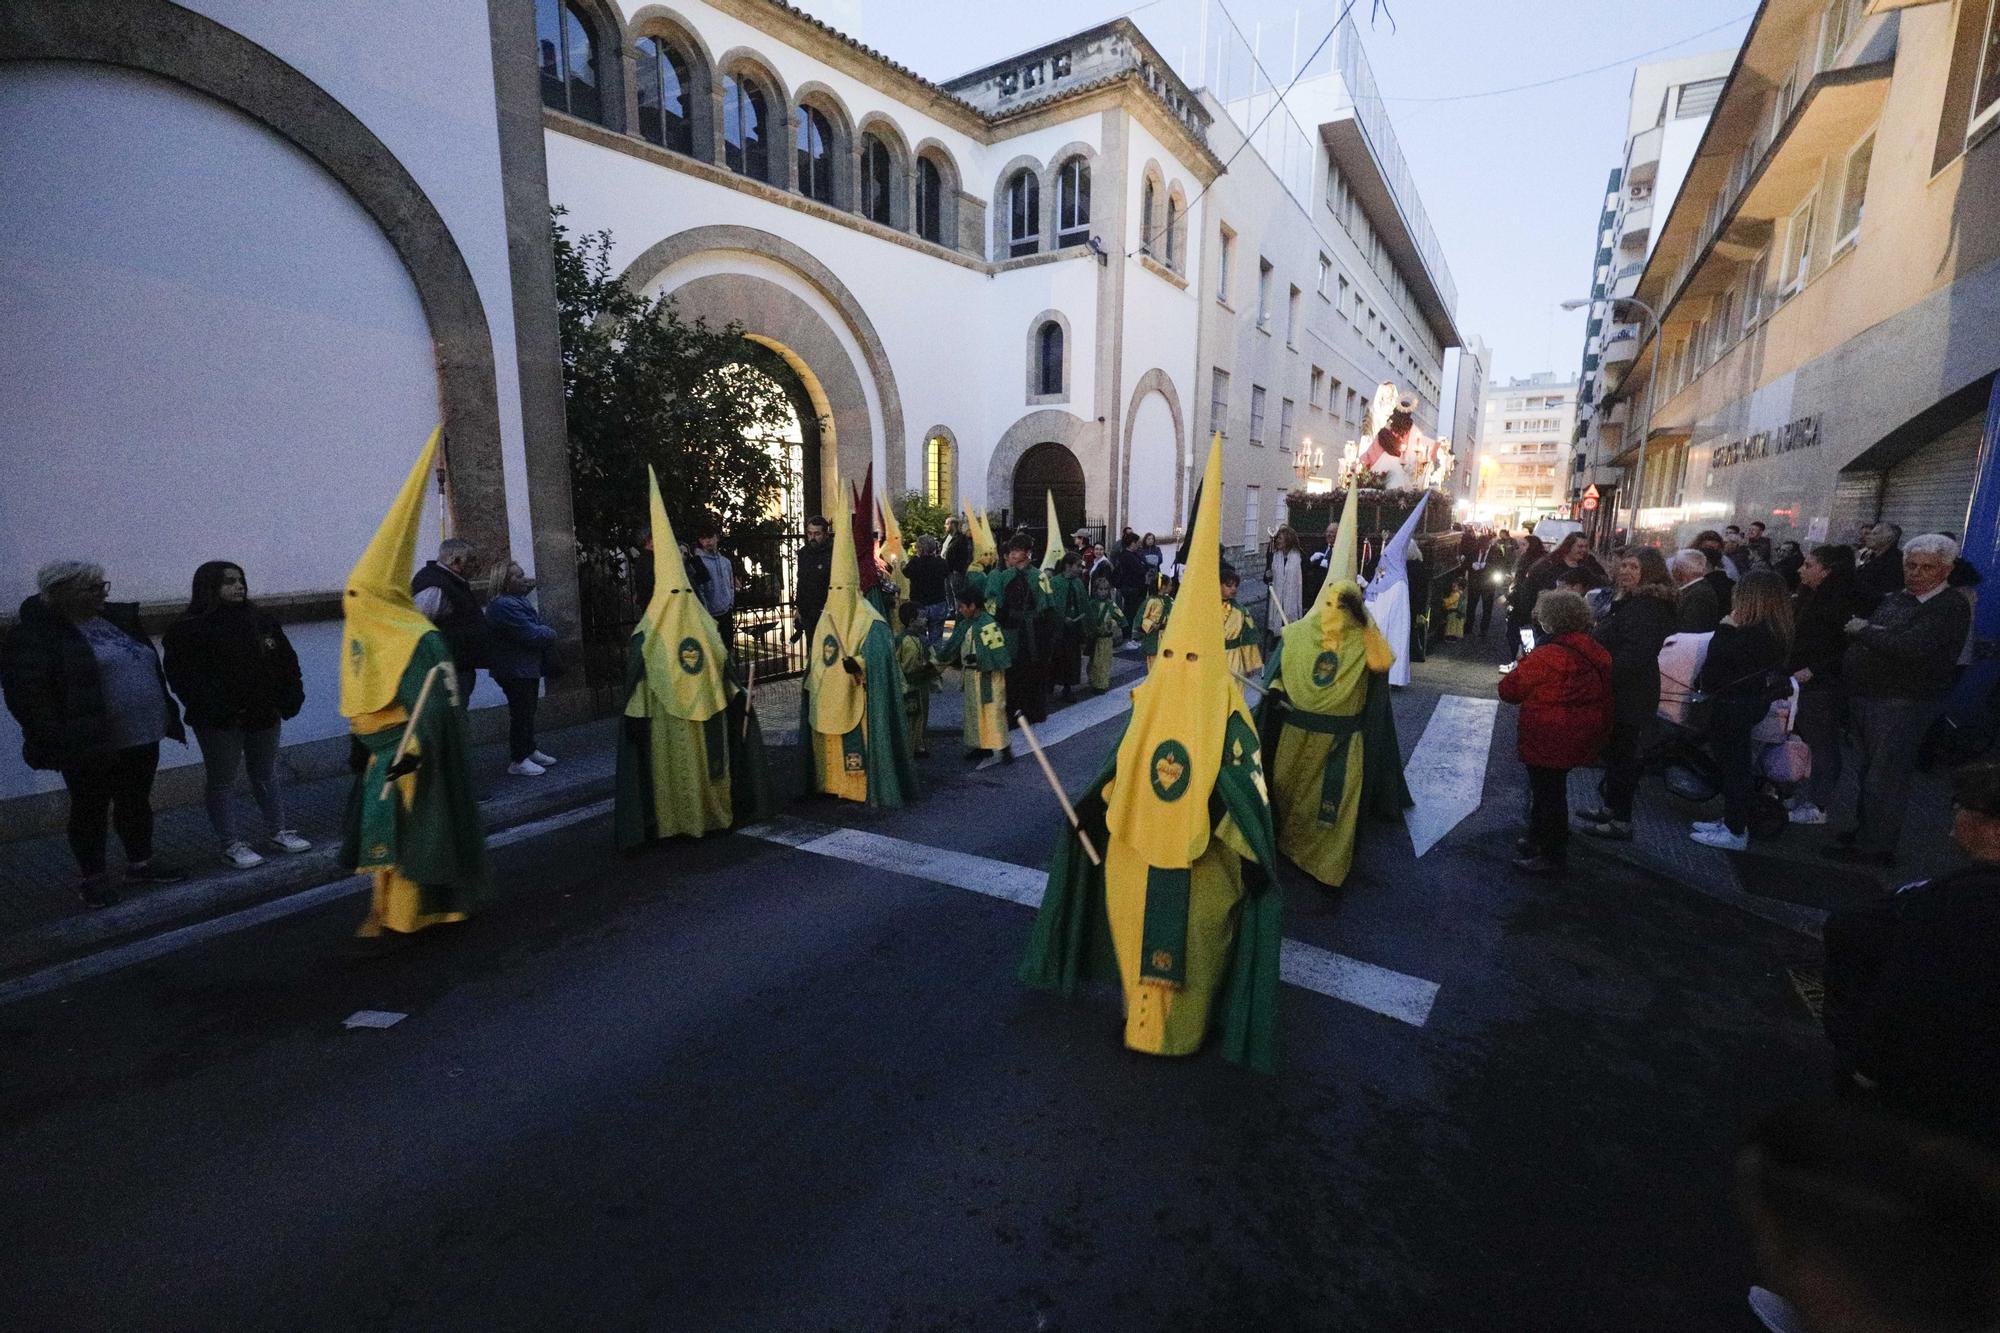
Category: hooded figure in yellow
<point>985,553</point>
<point>851,721</point>
<point>1184,911</point>
<point>1326,722</point>
<point>412,818</point>
<point>690,755</point>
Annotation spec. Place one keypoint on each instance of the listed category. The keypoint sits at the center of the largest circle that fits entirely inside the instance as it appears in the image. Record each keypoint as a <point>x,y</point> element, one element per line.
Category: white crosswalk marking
<point>1377,989</point>
<point>1447,772</point>
<point>1076,718</point>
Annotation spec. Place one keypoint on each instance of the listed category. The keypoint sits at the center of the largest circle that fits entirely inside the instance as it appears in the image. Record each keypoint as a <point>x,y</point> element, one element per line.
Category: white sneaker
<point>1775,1311</point>
<point>1710,826</point>
<point>1805,812</point>
<point>285,840</point>
<point>543,759</point>
<point>526,768</point>
<point>239,855</point>
<point>1722,838</point>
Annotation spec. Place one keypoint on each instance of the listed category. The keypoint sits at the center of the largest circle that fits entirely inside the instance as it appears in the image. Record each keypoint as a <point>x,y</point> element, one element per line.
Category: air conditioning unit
<point>1641,192</point>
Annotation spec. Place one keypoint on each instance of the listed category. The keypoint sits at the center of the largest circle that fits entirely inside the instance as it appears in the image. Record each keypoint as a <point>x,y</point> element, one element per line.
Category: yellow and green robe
<point>920,681</point>
<point>1244,641</point>
<point>1325,719</point>
<point>418,833</point>
<point>1153,613</point>
<point>871,761</point>
<point>978,648</point>
<point>1186,946</point>
<point>1104,629</point>
<point>677,777</point>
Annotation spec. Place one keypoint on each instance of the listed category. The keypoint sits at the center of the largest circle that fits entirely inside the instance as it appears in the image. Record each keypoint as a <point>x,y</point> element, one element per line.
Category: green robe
<point>1328,767</point>
<point>420,834</point>
<point>920,681</point>
<point>1104,630</point>
<point>878,749</point>
<point>679,778</point>
<point>1228,924</point>
<point>978,647</point>
<point>1153,613</point>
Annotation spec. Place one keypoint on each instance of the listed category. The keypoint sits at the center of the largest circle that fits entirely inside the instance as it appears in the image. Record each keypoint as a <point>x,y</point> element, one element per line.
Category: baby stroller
<point>1680,754</point>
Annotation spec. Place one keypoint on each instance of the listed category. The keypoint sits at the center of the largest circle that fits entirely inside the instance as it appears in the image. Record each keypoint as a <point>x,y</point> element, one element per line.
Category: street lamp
<point>1652,396</point>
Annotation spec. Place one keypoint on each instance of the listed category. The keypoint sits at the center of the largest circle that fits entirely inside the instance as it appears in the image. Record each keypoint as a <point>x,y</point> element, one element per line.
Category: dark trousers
<point>1625,763</point>
<point>1729,742</point>
<point>1888,732</point>
<point>1131,599</point>
<point>113,790</point>
<point>1818,725</point>
<point>1548,810</point>
<point>1479,599</point>
<point>523,697</point>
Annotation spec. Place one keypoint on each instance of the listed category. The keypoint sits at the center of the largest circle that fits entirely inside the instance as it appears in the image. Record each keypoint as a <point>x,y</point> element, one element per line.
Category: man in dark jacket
<point>444,593</point>
<point>1640,619</point>
<point>82,679</point>
<point>1900,664</point>
<point>1696,609</point>
<point>1710,544</point>
<point>957,553</point>
<point>1878,565</point>
<point>1912,996</point>
<point>1128,577</point>
<point>815,575</point>
<point>930,587</point>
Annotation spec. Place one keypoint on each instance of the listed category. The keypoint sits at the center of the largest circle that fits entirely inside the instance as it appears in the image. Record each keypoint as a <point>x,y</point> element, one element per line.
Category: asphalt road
<point>737,1085</point>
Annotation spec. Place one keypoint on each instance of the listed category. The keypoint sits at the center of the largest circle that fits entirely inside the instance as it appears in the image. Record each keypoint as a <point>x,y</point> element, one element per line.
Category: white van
<point>1553,530</point>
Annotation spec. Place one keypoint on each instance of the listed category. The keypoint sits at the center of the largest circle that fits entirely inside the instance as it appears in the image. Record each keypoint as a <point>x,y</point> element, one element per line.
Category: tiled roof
<point>869,51</point>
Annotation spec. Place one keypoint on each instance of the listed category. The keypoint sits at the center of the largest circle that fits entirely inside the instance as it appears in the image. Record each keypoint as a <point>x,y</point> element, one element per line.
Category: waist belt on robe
<point>1333,781</point>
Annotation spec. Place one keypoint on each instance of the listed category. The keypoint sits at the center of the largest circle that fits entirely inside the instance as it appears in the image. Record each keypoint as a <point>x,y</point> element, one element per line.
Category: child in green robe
<point>1240,635</point>
<point>1104,629</point>
<point>920,673</point>
<point>1153,616</point>
<point>978,649</point>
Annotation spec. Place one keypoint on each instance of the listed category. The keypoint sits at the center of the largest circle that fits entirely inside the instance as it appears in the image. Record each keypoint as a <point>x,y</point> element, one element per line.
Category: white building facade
<point>1462,413</point>
<point>1524,449</point>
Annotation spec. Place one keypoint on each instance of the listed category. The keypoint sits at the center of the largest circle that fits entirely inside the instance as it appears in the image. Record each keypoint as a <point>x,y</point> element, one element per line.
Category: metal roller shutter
<point>1931,490</point>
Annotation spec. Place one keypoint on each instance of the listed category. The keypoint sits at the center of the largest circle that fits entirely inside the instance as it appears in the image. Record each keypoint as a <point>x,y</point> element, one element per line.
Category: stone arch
<point>780,319</point>
<point>1154,381</point>
<point>950,493</point>
<point>902,183</point>
<point>1038,392</point>
<point>163,39</point>
<point>950,182</point>
<point>607,34</point>
<point>1151,208</point>
<point>778,96</point>
<point>1045,469</point>
<point>658,21</point>
<point>999,210</point>
<point>1050,425</point>
<point>841,151</point>
<point>1051,191</point>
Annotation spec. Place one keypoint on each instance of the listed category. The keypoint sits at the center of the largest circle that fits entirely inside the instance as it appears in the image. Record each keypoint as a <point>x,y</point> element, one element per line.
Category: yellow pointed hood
<point>1172,748</point>
<point>1342,568</point>
<point>838,698</point>
<point>892,533</point>
<point>382,623</point>
<point>985,551</point>
<point>679,640</point>
<point>1052,558</point>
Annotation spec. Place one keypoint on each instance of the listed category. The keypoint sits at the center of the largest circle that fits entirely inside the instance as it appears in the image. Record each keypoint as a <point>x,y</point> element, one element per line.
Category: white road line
<point>1447,771</point>
<point>1067,722</point>
<point>1377,989</point>
<point>156,946</point>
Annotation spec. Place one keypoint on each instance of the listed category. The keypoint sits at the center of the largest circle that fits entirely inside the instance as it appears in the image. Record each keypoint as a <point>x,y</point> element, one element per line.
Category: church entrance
<point>1048,468</point>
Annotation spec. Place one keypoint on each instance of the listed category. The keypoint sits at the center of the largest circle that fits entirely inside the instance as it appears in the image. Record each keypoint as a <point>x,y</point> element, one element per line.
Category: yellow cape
<point>683,648</point>
<point>838,698</point>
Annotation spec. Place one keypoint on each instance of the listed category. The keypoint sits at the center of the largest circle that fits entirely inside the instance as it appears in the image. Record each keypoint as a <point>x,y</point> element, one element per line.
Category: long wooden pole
<point>410,725</point>
<point>1049,772</point>
<point>750,694</point>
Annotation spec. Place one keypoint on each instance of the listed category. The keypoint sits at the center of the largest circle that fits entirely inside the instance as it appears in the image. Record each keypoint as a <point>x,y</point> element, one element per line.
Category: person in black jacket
<point>1878,565</point>
<point>238,678</point>
<point>444,593</point>
<point>1825,602</point>
<point>82,679</point>
<point>1128,577</point>
<point>1744,669</point>
<point>1696,610</point>
<point>1641,618</point>
<point>815,575</point>
<point>1520,599</point>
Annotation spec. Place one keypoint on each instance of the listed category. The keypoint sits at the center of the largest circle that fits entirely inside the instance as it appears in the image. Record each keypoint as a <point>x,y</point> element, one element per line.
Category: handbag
<point>1785,759</point>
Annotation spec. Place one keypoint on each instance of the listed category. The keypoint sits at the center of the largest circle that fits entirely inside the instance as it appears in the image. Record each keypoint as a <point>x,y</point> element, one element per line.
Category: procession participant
<point>985,555</point>
<point>1066,601</point>
<point>851,710</point>
<point>1325,720</point>
<point>1184,909</point>
<point>894,556</point>
<point>1389,596</point>
<point>877,586</point>
<point>978,650</point>
<point>1020,597</point>
<point>1240,635</point>
<point>412,819</point>
<point>690,752</point>
<point>1104,623</point>
<point>1153,613</point>
<point>920,673</point>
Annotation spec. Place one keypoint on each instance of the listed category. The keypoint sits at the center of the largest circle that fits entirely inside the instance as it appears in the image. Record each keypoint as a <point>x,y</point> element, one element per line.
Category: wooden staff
<point>750,694</point>
<point>410,726</point>
<point>1049,772</point>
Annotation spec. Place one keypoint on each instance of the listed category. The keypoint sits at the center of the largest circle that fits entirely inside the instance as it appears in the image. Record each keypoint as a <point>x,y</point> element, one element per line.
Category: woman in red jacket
<point>1564,690</point>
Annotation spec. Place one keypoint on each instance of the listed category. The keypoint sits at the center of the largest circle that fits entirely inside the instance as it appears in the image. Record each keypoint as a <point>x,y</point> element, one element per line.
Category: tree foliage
<point>642,385</point>
<point>919,516</point>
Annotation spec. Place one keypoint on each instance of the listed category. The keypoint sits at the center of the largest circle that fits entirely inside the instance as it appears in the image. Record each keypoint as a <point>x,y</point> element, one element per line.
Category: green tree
<point>919,516</point>
<point>642,385</point>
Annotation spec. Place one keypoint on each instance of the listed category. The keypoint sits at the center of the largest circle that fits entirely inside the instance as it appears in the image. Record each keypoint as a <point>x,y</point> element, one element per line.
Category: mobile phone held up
<point>1527,640</point>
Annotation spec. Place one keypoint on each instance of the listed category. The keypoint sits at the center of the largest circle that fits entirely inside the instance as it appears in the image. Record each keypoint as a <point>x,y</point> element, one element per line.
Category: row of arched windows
<point>1024,222</point>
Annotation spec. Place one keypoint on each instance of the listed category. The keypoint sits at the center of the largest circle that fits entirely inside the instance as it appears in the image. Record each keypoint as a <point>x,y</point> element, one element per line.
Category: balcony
<point>1622,345</point>
<point>1636,225</point>
<point>1837,107</point>
<point>1626,281</point>
<point>1643,158</point>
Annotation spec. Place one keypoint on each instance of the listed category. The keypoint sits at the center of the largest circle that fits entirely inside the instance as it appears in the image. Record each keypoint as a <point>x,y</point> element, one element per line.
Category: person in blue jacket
<point>517,660</point>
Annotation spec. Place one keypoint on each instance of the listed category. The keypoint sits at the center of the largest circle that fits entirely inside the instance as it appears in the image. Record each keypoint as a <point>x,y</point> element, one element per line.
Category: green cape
<point>990,649</point>
<point>1384,792</point>
<point>882,737</point>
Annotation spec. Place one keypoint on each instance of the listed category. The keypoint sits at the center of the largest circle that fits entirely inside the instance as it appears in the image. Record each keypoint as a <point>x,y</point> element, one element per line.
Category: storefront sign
<point>1800,434</point>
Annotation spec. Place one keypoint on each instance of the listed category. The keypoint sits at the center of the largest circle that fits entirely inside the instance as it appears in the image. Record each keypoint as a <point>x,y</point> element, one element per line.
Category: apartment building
<point>1460,415</point>
<point>1522,465</point>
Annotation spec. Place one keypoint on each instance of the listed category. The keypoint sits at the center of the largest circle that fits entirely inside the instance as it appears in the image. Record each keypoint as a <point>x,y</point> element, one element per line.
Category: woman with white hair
<point>82,679</point>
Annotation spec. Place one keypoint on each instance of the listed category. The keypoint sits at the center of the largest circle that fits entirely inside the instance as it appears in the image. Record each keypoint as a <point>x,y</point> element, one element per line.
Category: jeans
<point>1548,810</point>
<point>1888,732</point>
<point>1625,764</point>
<point>226,751</point>
<point>1479,599</point>
<point>935,614</point>
<point>109,790</point>
<point>523,698</point>
<point>1818,725</point>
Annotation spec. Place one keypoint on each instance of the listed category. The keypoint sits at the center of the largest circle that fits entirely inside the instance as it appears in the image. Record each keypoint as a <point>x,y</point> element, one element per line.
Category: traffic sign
<point>1590,493</point>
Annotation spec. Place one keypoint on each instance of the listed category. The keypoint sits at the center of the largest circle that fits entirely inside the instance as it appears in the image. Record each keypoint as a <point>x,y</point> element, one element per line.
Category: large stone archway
<point>784,321</point>
<point>1050,426</point>
<point>1154,391</point>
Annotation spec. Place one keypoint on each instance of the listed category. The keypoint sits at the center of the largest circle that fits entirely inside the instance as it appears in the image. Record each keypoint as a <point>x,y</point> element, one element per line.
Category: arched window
<point>666,111</point>
<point>940,471</point>
<point>1024,215</point>
<point>815,153</point>
<point>746,128</point>
<point>877,181</point>
<point>1049,359</point>
<point>1174,231</point>
<point>1073,203</point>
<point>930,201</point>
<point>1146,205</point>
<point>568,59</point>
